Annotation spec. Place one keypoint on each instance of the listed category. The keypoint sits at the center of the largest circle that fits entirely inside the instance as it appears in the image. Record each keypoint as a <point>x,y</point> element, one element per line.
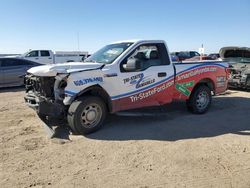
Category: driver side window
<point>142,57</point>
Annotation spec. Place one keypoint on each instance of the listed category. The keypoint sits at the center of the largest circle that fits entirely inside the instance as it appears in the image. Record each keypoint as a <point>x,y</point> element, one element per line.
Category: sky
<point>183,24</point>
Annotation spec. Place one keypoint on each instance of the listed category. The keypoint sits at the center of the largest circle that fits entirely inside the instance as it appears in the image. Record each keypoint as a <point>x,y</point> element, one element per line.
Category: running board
<point>142,114</point>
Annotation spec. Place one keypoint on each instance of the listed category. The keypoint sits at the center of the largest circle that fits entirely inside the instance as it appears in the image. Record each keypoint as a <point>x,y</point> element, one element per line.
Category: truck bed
<point>188,74</point>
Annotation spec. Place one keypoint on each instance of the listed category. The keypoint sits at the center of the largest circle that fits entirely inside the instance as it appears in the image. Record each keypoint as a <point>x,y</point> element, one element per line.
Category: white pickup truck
<point>121,76</point>
<point>48,57</point>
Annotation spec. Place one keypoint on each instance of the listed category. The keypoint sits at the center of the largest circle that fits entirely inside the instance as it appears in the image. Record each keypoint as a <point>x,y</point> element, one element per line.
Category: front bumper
<point>44,107</point>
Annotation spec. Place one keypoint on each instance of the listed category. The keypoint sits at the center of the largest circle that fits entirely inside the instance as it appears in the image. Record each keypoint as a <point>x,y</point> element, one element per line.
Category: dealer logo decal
<point>138,80</point>
<point>183,87</point>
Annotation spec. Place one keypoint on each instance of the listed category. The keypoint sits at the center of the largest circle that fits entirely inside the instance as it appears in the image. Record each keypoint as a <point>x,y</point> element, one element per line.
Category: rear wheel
<point>87,114</point>
<point>200,100</point>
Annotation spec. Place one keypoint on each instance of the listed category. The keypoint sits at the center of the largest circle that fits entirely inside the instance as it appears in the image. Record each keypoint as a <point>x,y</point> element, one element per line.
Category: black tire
<point>200,100</point>
<point>83,110</point>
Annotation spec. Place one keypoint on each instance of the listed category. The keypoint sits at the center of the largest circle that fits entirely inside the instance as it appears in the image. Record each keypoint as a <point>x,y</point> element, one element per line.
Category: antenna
<point>78,45</point>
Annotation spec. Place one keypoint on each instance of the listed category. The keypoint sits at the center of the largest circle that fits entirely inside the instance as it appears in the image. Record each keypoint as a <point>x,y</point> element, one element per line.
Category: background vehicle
<point>183,55</point>
<point>12,55</point>
<point>239,60</point>
<point>13,70</point>
<point>214,56</point>
<point>120,76</point>
<point>48,57</point>
<point>199,58</point>
<point>174,58</point>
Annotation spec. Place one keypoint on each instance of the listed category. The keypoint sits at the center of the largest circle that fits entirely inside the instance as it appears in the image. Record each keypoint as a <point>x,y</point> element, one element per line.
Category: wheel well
<point>207,82</point>
<point>99,92</point>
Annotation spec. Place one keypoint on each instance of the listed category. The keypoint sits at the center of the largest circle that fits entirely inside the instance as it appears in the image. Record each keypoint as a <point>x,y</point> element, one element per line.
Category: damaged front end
<point>239,77</point>
<point>239,61</point>
<point>45,91</point>
<point>45,95</point>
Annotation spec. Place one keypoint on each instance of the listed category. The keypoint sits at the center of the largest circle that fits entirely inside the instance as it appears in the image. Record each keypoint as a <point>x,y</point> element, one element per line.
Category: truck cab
<point>49,57</point>
<point>40,56</point>
<point>121,76</point>
<point>139,69</point>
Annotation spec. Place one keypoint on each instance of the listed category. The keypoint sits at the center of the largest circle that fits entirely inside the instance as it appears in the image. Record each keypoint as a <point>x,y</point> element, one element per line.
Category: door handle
<point>162,74</point>
<point>50,57</point>
<point>36,58</point>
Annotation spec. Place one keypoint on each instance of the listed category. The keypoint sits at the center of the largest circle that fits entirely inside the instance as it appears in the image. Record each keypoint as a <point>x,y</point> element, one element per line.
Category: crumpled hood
<point>54,69</point>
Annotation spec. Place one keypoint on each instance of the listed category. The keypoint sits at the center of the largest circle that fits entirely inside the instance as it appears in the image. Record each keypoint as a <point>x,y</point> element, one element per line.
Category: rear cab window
<point>196,54</point>
<point>16,62</point>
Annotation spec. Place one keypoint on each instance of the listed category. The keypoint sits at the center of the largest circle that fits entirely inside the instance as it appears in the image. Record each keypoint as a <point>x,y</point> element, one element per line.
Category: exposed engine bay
<point>46,94</point>
<point>239,76</point>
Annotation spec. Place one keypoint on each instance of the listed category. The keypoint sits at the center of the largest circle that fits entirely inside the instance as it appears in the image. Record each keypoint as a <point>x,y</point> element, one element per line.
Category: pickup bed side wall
<point>189,75</point>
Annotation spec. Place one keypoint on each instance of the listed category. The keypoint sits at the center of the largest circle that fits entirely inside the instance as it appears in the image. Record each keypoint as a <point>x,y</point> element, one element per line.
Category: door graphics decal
<point>139,80</point>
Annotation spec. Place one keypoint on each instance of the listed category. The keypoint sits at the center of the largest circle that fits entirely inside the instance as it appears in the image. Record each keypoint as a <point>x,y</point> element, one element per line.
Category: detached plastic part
<point>49,130</point>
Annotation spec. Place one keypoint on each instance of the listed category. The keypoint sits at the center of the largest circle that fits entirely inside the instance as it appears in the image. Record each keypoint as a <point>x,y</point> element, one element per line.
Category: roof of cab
<point>137,41</point>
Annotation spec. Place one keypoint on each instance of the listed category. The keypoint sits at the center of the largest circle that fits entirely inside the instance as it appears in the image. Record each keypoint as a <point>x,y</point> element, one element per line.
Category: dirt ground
<point>169,148</point>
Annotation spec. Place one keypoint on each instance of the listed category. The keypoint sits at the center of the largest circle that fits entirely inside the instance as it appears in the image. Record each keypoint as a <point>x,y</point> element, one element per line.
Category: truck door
<point>150,83</point>
<point>45,57</point>
<point>33,56</point>
<point>1,74</point>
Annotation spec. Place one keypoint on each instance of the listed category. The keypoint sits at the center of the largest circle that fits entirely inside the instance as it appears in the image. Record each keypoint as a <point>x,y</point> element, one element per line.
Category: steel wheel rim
<point>91,115</point>
<point>202,100</point>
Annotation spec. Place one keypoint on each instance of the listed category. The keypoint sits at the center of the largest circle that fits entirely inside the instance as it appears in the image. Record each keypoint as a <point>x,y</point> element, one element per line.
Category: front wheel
<point>200,100</point>
<point>87,114</point>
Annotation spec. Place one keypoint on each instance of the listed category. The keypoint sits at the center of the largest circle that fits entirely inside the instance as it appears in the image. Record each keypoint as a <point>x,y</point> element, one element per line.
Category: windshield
<point>108,53</point>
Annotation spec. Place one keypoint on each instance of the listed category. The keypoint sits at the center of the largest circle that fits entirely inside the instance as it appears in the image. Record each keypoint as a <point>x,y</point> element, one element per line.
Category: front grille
<point>40,86</point>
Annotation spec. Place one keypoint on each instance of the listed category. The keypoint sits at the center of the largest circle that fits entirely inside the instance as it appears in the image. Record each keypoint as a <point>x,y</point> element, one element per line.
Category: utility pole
<point>78,45</point>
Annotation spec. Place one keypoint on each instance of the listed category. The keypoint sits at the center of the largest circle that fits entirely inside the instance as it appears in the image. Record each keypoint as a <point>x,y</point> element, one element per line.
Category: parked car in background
<point>174,58</point>
<point>239,61</point>
<point>13,70</point>
<point>49,57</point>
<point>214,56</point>
<point>199,58</point>
<point>183,55</point>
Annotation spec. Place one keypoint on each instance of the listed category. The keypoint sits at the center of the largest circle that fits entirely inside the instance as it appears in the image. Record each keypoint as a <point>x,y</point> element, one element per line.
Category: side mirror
<point>132,65</point>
